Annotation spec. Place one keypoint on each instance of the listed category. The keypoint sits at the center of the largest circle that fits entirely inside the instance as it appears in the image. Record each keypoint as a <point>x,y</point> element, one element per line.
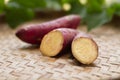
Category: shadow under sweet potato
<point>83,65</point>
<point>66,54</point>
<point>30,47</point>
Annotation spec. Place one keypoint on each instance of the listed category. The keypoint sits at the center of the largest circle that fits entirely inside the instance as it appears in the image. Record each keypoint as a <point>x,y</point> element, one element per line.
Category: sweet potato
<point>84,48</point>
<point>56,41</point>
<point>34,33</point>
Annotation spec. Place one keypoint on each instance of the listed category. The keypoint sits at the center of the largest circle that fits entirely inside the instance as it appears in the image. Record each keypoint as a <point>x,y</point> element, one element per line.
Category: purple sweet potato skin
<point>68,35</point>
<point>82,34</point>
<point>85,35</point>
<point>34,33</point>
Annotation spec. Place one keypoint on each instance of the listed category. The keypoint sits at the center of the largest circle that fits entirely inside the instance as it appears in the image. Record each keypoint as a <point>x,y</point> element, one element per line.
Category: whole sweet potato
<point>34,33</point>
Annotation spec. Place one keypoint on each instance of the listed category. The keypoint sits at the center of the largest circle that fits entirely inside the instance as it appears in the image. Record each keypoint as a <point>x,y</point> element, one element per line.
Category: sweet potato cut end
<point>85,50</point>
<point>52,43</point>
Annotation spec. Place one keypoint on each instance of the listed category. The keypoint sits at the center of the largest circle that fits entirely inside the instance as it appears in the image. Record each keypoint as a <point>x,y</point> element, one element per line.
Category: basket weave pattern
<point>20,61</point>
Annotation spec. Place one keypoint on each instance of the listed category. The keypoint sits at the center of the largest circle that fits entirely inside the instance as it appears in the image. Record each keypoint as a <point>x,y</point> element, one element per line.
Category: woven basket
<point>21,61</point>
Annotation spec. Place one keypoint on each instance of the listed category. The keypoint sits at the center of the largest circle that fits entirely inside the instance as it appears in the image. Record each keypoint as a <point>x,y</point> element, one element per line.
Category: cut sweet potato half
<point>84,48</point>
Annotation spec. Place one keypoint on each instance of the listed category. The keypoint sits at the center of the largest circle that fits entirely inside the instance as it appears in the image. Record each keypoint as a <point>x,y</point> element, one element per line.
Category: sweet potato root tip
<point>51,44</point>
<point>19,33</point>
<point>85,50</point>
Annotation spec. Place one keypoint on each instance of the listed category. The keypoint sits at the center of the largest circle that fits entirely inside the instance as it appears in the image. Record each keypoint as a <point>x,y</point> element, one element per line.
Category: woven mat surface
<point>21,61</point>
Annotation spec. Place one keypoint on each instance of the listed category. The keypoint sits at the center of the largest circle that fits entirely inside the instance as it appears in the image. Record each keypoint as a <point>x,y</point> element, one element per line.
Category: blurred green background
<point>94,13</point>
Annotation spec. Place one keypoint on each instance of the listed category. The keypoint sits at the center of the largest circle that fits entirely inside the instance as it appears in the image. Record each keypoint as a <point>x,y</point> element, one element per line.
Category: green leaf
<point>68,1</point>
<point>98,19</point>
<point>30,3</point>
<point>94,5</point>
<point>94,14</point>
<point>17,15</point>
<point>1,6</point>
<point>78,8</point>
<point>53,5</point>
<point>117,8</point>
<point>118,13</point>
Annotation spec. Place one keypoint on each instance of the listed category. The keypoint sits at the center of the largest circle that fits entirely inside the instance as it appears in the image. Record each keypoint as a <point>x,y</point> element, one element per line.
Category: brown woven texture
<point>21,61</point>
